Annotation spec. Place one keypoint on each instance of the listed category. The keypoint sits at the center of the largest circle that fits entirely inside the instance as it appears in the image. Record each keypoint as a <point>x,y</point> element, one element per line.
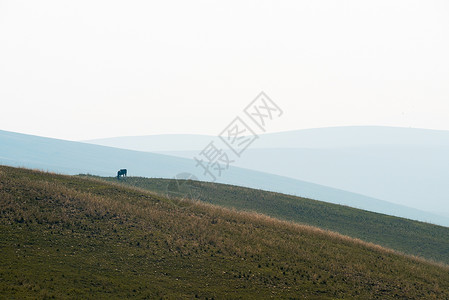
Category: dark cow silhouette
<point>121,173</point>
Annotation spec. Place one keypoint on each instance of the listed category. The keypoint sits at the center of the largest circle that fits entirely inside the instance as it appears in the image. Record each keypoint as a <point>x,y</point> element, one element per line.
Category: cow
<point>121,173</point>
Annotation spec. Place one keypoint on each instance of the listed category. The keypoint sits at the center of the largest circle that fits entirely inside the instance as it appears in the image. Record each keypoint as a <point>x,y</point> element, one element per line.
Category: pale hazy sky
<point>88,69</point>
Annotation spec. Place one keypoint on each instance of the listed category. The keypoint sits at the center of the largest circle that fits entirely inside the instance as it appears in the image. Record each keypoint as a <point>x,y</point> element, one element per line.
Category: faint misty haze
<point>90,69</point>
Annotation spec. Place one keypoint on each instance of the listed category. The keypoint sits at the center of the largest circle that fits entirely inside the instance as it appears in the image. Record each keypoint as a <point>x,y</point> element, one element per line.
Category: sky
<point>80,70</point>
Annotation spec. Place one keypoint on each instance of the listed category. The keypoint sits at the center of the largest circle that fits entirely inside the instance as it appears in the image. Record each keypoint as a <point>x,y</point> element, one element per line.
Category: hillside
<point>411,175</point>
<point>71,237</point>
<point>67,157</point>
<point>406,166</point>
<point>408,236</point>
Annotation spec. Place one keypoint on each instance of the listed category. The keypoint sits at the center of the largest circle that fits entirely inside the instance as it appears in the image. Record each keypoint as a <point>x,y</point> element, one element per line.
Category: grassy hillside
<point>408,236</point>
<point>71,237</point>
<point>71,158</point>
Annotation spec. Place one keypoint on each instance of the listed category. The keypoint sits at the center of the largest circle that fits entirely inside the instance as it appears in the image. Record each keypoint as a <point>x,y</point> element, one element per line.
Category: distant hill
<point>157,142</point>
<point>408,236</point>
<point>328,137</point>
<point>406,166</point>
<point>69,237</point>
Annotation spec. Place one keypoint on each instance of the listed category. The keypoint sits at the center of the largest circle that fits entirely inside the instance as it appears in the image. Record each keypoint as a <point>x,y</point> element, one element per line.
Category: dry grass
<point>57,230</point>
<point>407,236</point>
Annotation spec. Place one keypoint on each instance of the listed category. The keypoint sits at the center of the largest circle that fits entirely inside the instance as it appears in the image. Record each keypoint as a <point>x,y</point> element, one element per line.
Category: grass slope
<point>73,158</point>
<point>408,236</point>
<point>69,237</point>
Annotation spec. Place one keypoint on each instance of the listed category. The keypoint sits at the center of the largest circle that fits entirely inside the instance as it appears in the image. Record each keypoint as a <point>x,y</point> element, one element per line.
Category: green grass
<point>72,237</point>
<point>408,236</point>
